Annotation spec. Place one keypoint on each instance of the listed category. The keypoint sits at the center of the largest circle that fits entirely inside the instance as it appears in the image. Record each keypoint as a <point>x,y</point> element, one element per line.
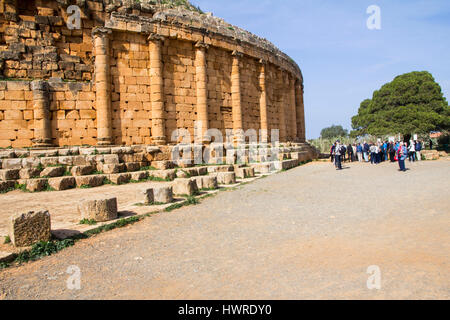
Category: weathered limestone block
<point>132,166</point>
<point>9,174</point>
<point>226,177</point>
<point>184,187</point>
<point>28,228</point>
<point>12,163</point>
<point>49,161</point>
<point>182,174</point>
<point>286,164</point>
<point>91,181</point>
<point>263,167</point>
<point>161,165</point>
<point>224,168</point>
<point>206,182</point>
<point>36,185</point>
<point>29,173</point>
<point>5,185</point>
<point>111,158</point>
<point>53,172</point>
<point>145,196</point>
<point>140,175</point>
<point>111,168</point>
<point>62,183</point>
<point>245,172</point>
<point>65,160</point>
<point>162,194</point>
<point>82,170</point>
<point>202,171</point>
<point>163,174</point>
<point>8,154</point>
<point>120,178</point>
<point>79,161</point>
<point>99,210</point>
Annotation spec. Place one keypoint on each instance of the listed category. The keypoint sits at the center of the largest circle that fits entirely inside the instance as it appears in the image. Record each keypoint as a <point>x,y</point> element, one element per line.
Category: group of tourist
<point>376,153</point>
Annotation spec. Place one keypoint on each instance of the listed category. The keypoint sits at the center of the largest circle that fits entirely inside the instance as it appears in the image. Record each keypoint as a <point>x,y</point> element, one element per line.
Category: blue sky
<point>343,61</point>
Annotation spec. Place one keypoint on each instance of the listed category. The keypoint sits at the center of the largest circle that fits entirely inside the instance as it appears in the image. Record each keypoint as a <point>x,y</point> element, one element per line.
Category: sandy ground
<point>308,233</point>
<point>63,205</point>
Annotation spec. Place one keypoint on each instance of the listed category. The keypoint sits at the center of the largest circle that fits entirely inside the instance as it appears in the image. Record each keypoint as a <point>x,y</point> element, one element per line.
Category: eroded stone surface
<point>28,228</point>
<point>99,210</point>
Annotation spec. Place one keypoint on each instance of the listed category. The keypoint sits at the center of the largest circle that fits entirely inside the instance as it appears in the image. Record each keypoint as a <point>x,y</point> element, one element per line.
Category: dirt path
<point>310,232</point>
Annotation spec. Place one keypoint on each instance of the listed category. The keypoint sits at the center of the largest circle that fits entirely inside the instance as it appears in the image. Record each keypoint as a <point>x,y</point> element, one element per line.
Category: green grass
<point>42,249</point>
<point>148,168</point>
<point>88,222</point>
<point>7,240</point>
<point>85,186</point>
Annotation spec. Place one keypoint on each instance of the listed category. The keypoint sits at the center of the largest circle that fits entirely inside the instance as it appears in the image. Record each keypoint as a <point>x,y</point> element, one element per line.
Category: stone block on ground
<point>162,194</point>
<point>9,174</point>
<point>163,174</point>
<point>12,163</point>
<point>5,185</point>
<point>91,181</point>
<point>120,178</point>
<point>184,186</point>
<point>226,177</point>
<point>98,210</point>
<point>36,185</point>
<point>145,196</point>
<point>29,173</point>
<point>206,182</point>
<point>202,171</point>
<point>31,227</point>
<point>82,170</point>
<point>62,183</point>
<point>181,173</point>
<point>109,168</point>
<point>140,175</point>
<point>244,173</point>
<point>132,166</point>
<point>53,172</point>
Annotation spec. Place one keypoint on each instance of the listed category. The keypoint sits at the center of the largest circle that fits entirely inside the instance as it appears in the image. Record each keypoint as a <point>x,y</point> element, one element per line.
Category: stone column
<point>41,111</point>
<point>263,103</point>
<point>293,109</point>
<point>282,109</point>
<point>300,111</point>
<point>236,98</point>
<point>103,85</point>
<point>157,89</point>
<point>202,91</point>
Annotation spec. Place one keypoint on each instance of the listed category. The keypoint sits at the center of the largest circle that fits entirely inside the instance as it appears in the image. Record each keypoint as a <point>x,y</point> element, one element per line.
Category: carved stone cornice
<point>101,32</point>
<point>201,45</point>
<point>155,37</point>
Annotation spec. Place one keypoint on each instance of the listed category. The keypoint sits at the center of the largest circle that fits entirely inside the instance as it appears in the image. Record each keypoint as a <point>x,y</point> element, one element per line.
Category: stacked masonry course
<point>133,73</point>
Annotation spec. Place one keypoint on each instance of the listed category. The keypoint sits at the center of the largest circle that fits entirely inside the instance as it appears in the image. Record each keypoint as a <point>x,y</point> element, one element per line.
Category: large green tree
<point>333,132</point>
<point>411,103</point>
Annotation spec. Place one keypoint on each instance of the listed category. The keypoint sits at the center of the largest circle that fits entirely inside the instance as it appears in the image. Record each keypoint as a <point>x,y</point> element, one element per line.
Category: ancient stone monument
<point>131,72</point>
<point>28,228</point>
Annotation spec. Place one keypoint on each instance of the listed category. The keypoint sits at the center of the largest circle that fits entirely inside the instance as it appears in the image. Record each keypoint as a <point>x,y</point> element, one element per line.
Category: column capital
<point>237,54</point>
<point>262,62</point>
<point>101,32</point>
<point>201,45</point>
<point>153,37</point>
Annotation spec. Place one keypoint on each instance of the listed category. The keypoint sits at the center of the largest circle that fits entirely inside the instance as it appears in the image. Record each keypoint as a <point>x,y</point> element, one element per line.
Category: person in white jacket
<point>412,151</point>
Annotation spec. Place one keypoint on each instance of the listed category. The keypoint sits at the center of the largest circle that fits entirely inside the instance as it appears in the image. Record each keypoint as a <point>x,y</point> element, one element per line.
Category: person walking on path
<point>402,154</point>
<point>418,149</point>
<point>333,146</point>
<point>350,152</point>
<point>366,150</point>
<point>337,155</point>
<point>412,151</point>
<point>359,152</point>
